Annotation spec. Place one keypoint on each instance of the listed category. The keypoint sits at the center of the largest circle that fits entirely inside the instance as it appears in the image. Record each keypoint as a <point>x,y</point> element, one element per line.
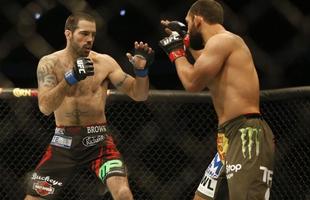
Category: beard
<point>79,51</point>
<point>195,40</point>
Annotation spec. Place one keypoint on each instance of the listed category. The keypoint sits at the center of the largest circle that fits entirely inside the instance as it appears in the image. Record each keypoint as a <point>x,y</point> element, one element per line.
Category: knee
<point>124,193</point>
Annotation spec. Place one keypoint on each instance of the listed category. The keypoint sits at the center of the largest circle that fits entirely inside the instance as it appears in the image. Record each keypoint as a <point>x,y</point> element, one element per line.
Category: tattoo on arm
<point>45,75</point>
<point>119,84</point>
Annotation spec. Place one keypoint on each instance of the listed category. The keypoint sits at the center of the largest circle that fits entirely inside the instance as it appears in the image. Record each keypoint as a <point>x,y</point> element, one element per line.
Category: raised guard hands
<point>177,26</point>
<point>173,45</point>
<point>143,57</point>
<point>83,67</point>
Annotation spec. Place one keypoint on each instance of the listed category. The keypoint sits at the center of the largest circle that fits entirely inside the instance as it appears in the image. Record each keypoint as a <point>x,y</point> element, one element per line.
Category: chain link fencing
<point>167,143</point>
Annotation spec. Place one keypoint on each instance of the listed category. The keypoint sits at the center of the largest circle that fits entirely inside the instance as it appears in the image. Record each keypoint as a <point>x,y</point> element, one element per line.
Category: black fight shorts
<point>72,148</point>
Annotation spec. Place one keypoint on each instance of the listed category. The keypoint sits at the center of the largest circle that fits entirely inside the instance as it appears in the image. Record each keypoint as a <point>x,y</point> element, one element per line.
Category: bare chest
<point>89,86</point>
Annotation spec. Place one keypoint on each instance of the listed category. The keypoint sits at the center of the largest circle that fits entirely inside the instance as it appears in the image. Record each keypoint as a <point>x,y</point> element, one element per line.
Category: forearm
<point>195,53</point>
<point>140,88</point>
<point>50,100</point>
<point>185,71</point>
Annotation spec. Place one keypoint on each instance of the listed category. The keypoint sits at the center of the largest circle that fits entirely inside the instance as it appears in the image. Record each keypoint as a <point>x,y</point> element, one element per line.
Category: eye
<point>84,33</point>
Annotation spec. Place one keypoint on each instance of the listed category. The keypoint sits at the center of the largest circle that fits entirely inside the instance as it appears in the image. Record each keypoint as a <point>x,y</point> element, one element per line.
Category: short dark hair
<point>74,18</point>
<point>210,10</point>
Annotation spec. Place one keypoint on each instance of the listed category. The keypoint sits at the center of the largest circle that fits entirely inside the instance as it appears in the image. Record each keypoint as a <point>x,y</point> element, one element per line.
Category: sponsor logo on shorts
<point>59,131</point>
<point>207,186</point>
<point>231,169</point>
<point>222,145</point>
<point>43,188</point>
<point>96,129</point>
<point>215,167</point>
<point>267,178</point>
<point>209,181</point>
<point>111,166</point>
<point>250,141</point>
<point>48,179</point>
<point>267,175</point>
<point>92,140</point>
<point>62,141</point>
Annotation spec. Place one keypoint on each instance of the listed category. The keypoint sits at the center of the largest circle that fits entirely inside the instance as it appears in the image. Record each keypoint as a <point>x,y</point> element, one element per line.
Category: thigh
<point>50,175</point>
<point>115,182</point>
<point>108,161</point>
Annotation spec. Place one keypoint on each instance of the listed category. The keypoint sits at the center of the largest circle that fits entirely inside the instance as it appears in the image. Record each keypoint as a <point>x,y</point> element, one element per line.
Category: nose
<point>90,38</point>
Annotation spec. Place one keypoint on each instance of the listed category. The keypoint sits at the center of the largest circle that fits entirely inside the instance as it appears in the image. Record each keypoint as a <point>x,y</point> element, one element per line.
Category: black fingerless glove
<point>83,67</point>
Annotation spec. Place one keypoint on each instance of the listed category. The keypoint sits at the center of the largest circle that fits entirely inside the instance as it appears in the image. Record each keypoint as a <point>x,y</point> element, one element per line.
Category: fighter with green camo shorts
<point>223,65</point>
<point>245,159</point>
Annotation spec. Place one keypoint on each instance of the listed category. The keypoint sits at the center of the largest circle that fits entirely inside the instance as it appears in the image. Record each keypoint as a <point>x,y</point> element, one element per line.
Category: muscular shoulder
<point>224,42</point>
<point>49,61</point>
<point>227,39</point>
<point>46,73</point>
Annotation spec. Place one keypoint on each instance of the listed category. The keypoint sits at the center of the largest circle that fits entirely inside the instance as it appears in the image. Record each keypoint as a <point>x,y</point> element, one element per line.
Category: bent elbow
<point>44,108</point>
<point>141,98</point>
<point>192,88</point>
<point>45,111</point>
<point>144,98</point>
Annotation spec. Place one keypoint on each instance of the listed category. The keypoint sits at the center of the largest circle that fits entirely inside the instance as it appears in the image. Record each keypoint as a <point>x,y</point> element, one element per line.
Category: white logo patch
<point>92,140</point>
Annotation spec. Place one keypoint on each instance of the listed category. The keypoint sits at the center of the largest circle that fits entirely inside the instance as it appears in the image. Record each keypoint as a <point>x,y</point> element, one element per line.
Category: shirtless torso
<point>84,102</point>
<point>235,88</point>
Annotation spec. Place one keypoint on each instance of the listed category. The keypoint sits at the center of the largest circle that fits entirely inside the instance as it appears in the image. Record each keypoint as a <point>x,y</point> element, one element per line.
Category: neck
<point>211,30</point>
<point>71,54</point>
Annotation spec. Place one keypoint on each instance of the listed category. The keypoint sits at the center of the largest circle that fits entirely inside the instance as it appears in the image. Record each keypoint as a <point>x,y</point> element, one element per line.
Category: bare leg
<point>29,197</point>
<point>196,197</point>
<point>119,188</point>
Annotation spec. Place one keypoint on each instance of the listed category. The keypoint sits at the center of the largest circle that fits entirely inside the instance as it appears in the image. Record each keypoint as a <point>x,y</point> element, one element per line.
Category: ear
<point>68,34</point>
<point>198,20</point>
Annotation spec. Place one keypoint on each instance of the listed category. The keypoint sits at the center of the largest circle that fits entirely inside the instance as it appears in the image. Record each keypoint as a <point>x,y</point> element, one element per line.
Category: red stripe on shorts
<point>98,162</point>
<point>46,157</point>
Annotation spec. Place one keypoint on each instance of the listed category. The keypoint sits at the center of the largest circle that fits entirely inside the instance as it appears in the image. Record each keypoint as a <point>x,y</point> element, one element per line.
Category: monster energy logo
<point>249,139</point>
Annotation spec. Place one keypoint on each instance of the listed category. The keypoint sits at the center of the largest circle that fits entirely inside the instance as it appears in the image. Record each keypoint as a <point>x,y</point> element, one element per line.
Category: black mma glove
<point>178,27</point>
<point>173,46</point>
<point>149,57</point>
<point>181,29</point>
<point>83,67</point>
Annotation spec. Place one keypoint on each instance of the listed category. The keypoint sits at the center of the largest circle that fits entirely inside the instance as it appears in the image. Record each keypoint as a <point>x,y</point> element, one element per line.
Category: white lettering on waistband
<point>96,129</point>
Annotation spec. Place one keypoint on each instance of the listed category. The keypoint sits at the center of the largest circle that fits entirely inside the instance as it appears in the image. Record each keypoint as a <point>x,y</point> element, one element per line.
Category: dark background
<point>277,32</point>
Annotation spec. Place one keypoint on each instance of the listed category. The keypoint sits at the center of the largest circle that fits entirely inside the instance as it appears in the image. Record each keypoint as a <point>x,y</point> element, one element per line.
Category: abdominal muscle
<point>234,102</point>
<point>81,111</point>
